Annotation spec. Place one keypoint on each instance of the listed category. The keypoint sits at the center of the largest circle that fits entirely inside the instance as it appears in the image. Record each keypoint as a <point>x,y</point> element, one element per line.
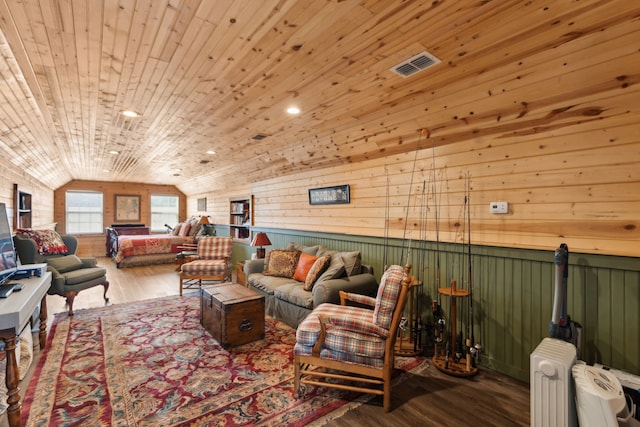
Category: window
<point>84,212</point>
<point>164,210</point>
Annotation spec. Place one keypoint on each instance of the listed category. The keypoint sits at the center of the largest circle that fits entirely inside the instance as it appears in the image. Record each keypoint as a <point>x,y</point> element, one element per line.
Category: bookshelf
<point>241,218</point>
<point>22,218</point>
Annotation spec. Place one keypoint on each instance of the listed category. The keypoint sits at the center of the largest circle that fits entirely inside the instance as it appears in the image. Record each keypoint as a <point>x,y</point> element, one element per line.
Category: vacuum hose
<point>559,322</point>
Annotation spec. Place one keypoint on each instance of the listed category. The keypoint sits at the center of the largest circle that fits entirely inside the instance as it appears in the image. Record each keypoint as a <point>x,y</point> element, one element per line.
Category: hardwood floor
<point>430,399</point>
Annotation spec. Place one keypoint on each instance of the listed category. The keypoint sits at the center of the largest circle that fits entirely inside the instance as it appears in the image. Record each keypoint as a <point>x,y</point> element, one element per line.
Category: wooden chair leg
<point>106,288</point>
<point>70,297</point>
<point>296,377</point>
<point>180,285</point>
<point>386,398</point>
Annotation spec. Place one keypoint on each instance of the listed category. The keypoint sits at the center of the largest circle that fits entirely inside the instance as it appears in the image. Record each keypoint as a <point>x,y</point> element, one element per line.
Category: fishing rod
<point>436,305</point>
<point>473,347</point>
<point>468,181</point>
<point>406,218</point>
<point>417,342</point>
<point>453,286</point>
<point>386,223</point>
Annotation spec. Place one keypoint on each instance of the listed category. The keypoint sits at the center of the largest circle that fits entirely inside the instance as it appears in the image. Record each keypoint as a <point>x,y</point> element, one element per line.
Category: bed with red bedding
<point>149,249</point>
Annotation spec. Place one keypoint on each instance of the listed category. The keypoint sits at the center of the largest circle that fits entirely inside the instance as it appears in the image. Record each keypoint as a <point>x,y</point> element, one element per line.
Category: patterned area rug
<point>151,364</point>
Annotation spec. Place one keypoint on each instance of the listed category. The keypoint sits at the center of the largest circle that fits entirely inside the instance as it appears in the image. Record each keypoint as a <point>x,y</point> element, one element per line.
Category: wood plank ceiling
<point>208,75</point>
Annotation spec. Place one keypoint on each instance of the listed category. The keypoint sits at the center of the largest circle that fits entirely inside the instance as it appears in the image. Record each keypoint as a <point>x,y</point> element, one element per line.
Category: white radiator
<point>551,388</point>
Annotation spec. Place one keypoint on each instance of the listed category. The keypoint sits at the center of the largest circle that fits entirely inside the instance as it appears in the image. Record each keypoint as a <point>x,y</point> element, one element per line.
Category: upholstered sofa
<point>298,278</point>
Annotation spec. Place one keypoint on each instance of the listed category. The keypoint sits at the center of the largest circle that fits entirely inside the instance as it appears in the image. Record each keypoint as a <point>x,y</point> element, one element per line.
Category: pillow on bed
<point>176,229</point>
<point>194,226</point>
<point>184,229</point>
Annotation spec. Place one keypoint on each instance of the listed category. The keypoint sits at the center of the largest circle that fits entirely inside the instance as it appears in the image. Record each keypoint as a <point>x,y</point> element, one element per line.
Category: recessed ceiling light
<point>293,110</point>
<point>130,113</point>
<point>113,152</point>
<point>211,152</point>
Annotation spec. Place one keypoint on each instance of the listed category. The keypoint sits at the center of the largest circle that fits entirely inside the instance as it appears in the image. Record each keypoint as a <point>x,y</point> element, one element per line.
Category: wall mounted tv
<point>8,258</point>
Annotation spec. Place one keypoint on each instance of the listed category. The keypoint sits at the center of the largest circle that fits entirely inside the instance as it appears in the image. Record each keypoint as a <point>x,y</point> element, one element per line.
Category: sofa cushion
<point>65,263</point>
<point>281,263</point>
<point>335,269</point>
<point>305,262</point>
<point>311,250</point>
<point>317,269</point>
<point>267,284</point>
<point>294,293</point>
<point>352,262</point>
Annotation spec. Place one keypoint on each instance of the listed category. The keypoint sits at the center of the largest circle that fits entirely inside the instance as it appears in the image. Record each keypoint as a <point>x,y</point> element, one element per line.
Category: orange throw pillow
<point>305,262</point>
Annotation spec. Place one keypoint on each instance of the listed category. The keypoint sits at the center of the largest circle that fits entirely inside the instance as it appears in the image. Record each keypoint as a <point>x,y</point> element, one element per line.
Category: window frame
<point>99,229</point>
<point>171,222</point>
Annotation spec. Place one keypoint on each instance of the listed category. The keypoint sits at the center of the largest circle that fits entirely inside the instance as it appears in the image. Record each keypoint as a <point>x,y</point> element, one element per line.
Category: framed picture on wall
<point>127,207</point>
<point>202,204</point>
<point>336,195</point>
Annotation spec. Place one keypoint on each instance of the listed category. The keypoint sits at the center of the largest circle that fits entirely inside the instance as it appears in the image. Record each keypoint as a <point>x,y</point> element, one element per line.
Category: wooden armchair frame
<point>372,380</point>
<point>213,262</point>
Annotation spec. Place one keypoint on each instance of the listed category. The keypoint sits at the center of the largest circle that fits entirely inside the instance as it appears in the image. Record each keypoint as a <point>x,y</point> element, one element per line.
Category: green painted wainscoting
<point>512,294</point>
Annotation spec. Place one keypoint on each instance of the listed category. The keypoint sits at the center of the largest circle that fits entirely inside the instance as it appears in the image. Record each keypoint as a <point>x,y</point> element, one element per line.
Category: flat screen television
<point>8,258</point>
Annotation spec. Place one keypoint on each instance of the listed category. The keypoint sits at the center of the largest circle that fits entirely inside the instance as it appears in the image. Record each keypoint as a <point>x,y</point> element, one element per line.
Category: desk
<point>15,314</point>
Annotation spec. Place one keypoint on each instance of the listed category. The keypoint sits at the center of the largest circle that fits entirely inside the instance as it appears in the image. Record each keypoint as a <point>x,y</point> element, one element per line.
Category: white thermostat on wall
<point>499,207</point>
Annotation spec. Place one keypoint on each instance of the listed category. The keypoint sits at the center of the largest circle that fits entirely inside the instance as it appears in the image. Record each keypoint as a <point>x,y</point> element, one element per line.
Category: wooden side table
<point>240,277</point>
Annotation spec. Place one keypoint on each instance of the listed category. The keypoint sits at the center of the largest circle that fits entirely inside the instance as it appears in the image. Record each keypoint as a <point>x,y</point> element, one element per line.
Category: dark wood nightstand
<point>240,277</point>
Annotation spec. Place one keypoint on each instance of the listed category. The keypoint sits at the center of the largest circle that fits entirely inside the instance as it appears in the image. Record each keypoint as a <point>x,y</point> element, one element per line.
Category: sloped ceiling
<point>208,75</point>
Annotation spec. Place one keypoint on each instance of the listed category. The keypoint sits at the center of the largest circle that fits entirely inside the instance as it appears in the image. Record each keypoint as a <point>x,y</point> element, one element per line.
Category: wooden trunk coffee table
<point>232,314</point>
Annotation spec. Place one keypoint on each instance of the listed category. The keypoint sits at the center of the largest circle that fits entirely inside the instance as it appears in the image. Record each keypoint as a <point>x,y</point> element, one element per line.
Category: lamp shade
<point>204,220</point>
<point>260,239</point>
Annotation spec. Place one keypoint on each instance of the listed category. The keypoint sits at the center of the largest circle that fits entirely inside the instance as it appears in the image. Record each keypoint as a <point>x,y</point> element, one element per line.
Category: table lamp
<point>260,239</point>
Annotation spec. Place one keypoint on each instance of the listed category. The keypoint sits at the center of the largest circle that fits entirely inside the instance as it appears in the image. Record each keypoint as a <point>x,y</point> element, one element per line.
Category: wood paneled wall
<point>94,245</point>
<point>42,196</point>
<point>576,184</point>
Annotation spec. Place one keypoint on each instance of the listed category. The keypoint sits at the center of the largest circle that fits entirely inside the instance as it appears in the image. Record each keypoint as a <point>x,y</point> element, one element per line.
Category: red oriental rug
<point>150,363</point>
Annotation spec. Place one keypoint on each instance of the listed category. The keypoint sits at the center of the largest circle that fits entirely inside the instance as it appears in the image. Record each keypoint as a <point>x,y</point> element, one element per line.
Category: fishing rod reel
<point>440,323</point>
<point>439,330</point>
<point>474,350</point>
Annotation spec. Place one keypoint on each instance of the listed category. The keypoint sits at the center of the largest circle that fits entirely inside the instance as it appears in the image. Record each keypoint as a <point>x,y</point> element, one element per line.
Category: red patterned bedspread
<point>149,244</point>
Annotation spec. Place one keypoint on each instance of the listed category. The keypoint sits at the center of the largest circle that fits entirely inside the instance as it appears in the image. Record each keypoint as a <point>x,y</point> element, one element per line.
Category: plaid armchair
<point>213,262</point>
<point>353,340</point>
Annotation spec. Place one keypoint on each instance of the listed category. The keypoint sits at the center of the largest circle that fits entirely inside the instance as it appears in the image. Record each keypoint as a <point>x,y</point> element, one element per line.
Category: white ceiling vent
<point>417,63</point>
